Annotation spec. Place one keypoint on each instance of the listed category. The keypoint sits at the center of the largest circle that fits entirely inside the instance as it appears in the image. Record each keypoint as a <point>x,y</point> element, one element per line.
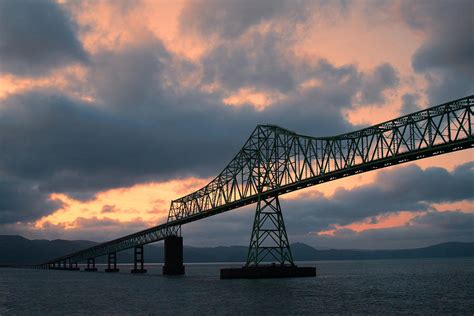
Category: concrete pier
<point>268,271</point>
<point>112,263</point>
<point>90,265</point>
<point>138,260</point>
<point>173,256</point>
<point>73,266</point>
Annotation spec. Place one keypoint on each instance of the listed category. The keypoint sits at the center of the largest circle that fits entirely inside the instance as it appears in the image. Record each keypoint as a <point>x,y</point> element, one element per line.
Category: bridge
<point>274,161</point>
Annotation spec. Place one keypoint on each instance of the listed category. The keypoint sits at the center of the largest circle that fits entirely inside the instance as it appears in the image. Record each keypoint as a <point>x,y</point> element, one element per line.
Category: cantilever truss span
<point>275,161</point>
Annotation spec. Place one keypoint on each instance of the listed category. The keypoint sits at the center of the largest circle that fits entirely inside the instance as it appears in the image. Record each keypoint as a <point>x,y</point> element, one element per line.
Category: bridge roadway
<point>275,161</point>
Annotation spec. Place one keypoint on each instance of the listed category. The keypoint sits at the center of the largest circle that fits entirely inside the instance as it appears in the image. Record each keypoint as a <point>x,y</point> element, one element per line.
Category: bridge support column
<point>269,242</point>
<point>73,266</point>
<point>90,265</point>
<point>112,263</point>
<point>138,260</point>
<point>173,256</point>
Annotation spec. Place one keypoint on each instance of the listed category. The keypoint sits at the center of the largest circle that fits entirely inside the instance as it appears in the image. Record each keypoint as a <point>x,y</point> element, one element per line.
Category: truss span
<point>275,161</point>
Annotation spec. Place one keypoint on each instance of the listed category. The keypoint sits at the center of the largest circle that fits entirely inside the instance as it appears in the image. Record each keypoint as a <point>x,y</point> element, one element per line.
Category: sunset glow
<point>379,222</point>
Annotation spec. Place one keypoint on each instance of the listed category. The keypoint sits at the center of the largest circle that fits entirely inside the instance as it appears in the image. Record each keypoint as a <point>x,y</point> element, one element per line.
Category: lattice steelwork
<point>275,161</point>
<point>269,239</point>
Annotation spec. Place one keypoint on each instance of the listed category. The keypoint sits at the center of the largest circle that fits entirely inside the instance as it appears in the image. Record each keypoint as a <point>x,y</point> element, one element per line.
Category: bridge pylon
<point>269,239</point>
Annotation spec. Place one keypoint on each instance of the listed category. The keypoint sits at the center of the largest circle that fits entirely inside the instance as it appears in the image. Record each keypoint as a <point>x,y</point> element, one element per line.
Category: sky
<point>111,109</point>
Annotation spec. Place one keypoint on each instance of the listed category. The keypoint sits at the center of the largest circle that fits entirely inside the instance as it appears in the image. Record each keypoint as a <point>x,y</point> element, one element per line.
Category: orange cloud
<point>66,79</point>
<point>147,202</point>
<point>245,96</point>
<point>464,206</point>
<point>379,222</point>
<point>115,25</point>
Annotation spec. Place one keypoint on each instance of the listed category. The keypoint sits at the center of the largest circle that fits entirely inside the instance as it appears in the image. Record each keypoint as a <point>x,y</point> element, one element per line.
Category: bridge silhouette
<point>274,161</point>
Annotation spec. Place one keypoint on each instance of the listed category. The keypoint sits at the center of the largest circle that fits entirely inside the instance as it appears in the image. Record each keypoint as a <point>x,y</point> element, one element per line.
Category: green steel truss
<point>275,161</point>
<point>269,239</point>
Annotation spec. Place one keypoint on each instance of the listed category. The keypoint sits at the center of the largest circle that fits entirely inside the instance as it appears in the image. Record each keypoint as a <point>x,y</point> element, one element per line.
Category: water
<point>424,286</point>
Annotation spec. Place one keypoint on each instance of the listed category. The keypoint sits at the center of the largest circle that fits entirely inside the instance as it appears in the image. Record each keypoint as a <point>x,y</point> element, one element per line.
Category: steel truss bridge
<point>274,161</point>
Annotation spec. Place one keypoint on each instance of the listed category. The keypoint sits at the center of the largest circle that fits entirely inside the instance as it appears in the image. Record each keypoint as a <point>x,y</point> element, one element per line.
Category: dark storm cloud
<point>257,62</point>
<point>382,78</point>
<point>410,103</point>
<point>261,61</point>
<point>453,220</point>
<point>22,201</point>
<point>449,28</point>
<point>446,55</point>
<point>36,37</point>
<point>247,57</point>
<point>67,146</point>
<point>132,77</point>
<point>315,91</point>
<point>229,19</point>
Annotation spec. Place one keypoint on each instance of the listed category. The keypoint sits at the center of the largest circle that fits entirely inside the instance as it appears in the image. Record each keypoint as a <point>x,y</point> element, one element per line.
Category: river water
<point>424,286</point>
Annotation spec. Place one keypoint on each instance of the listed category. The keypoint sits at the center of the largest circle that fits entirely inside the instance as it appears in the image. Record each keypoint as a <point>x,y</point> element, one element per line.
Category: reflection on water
<point>377,286</point>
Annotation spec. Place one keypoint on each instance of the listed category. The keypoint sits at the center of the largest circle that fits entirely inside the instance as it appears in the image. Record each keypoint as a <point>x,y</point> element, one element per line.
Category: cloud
<point>74,147</point>
<point>424,230</point>
<point>230,19</point>
<point>23,201</point>
<point>446,55</point>
<point>139,126</point>
<point>407,188</point>
<point>448,44</point>
<point>449,220</point>
<point>410,103</point>
<point>261,61</point>
<point>257,61</point>
<point>108,209</point>
<point>382,78</point>
<point>96,229</point>
<point>82,148</point>
<point>37,37</point>
<point>129,78</point>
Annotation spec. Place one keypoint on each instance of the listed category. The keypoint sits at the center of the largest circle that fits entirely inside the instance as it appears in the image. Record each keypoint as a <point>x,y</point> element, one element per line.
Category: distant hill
<point>19,250</point>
